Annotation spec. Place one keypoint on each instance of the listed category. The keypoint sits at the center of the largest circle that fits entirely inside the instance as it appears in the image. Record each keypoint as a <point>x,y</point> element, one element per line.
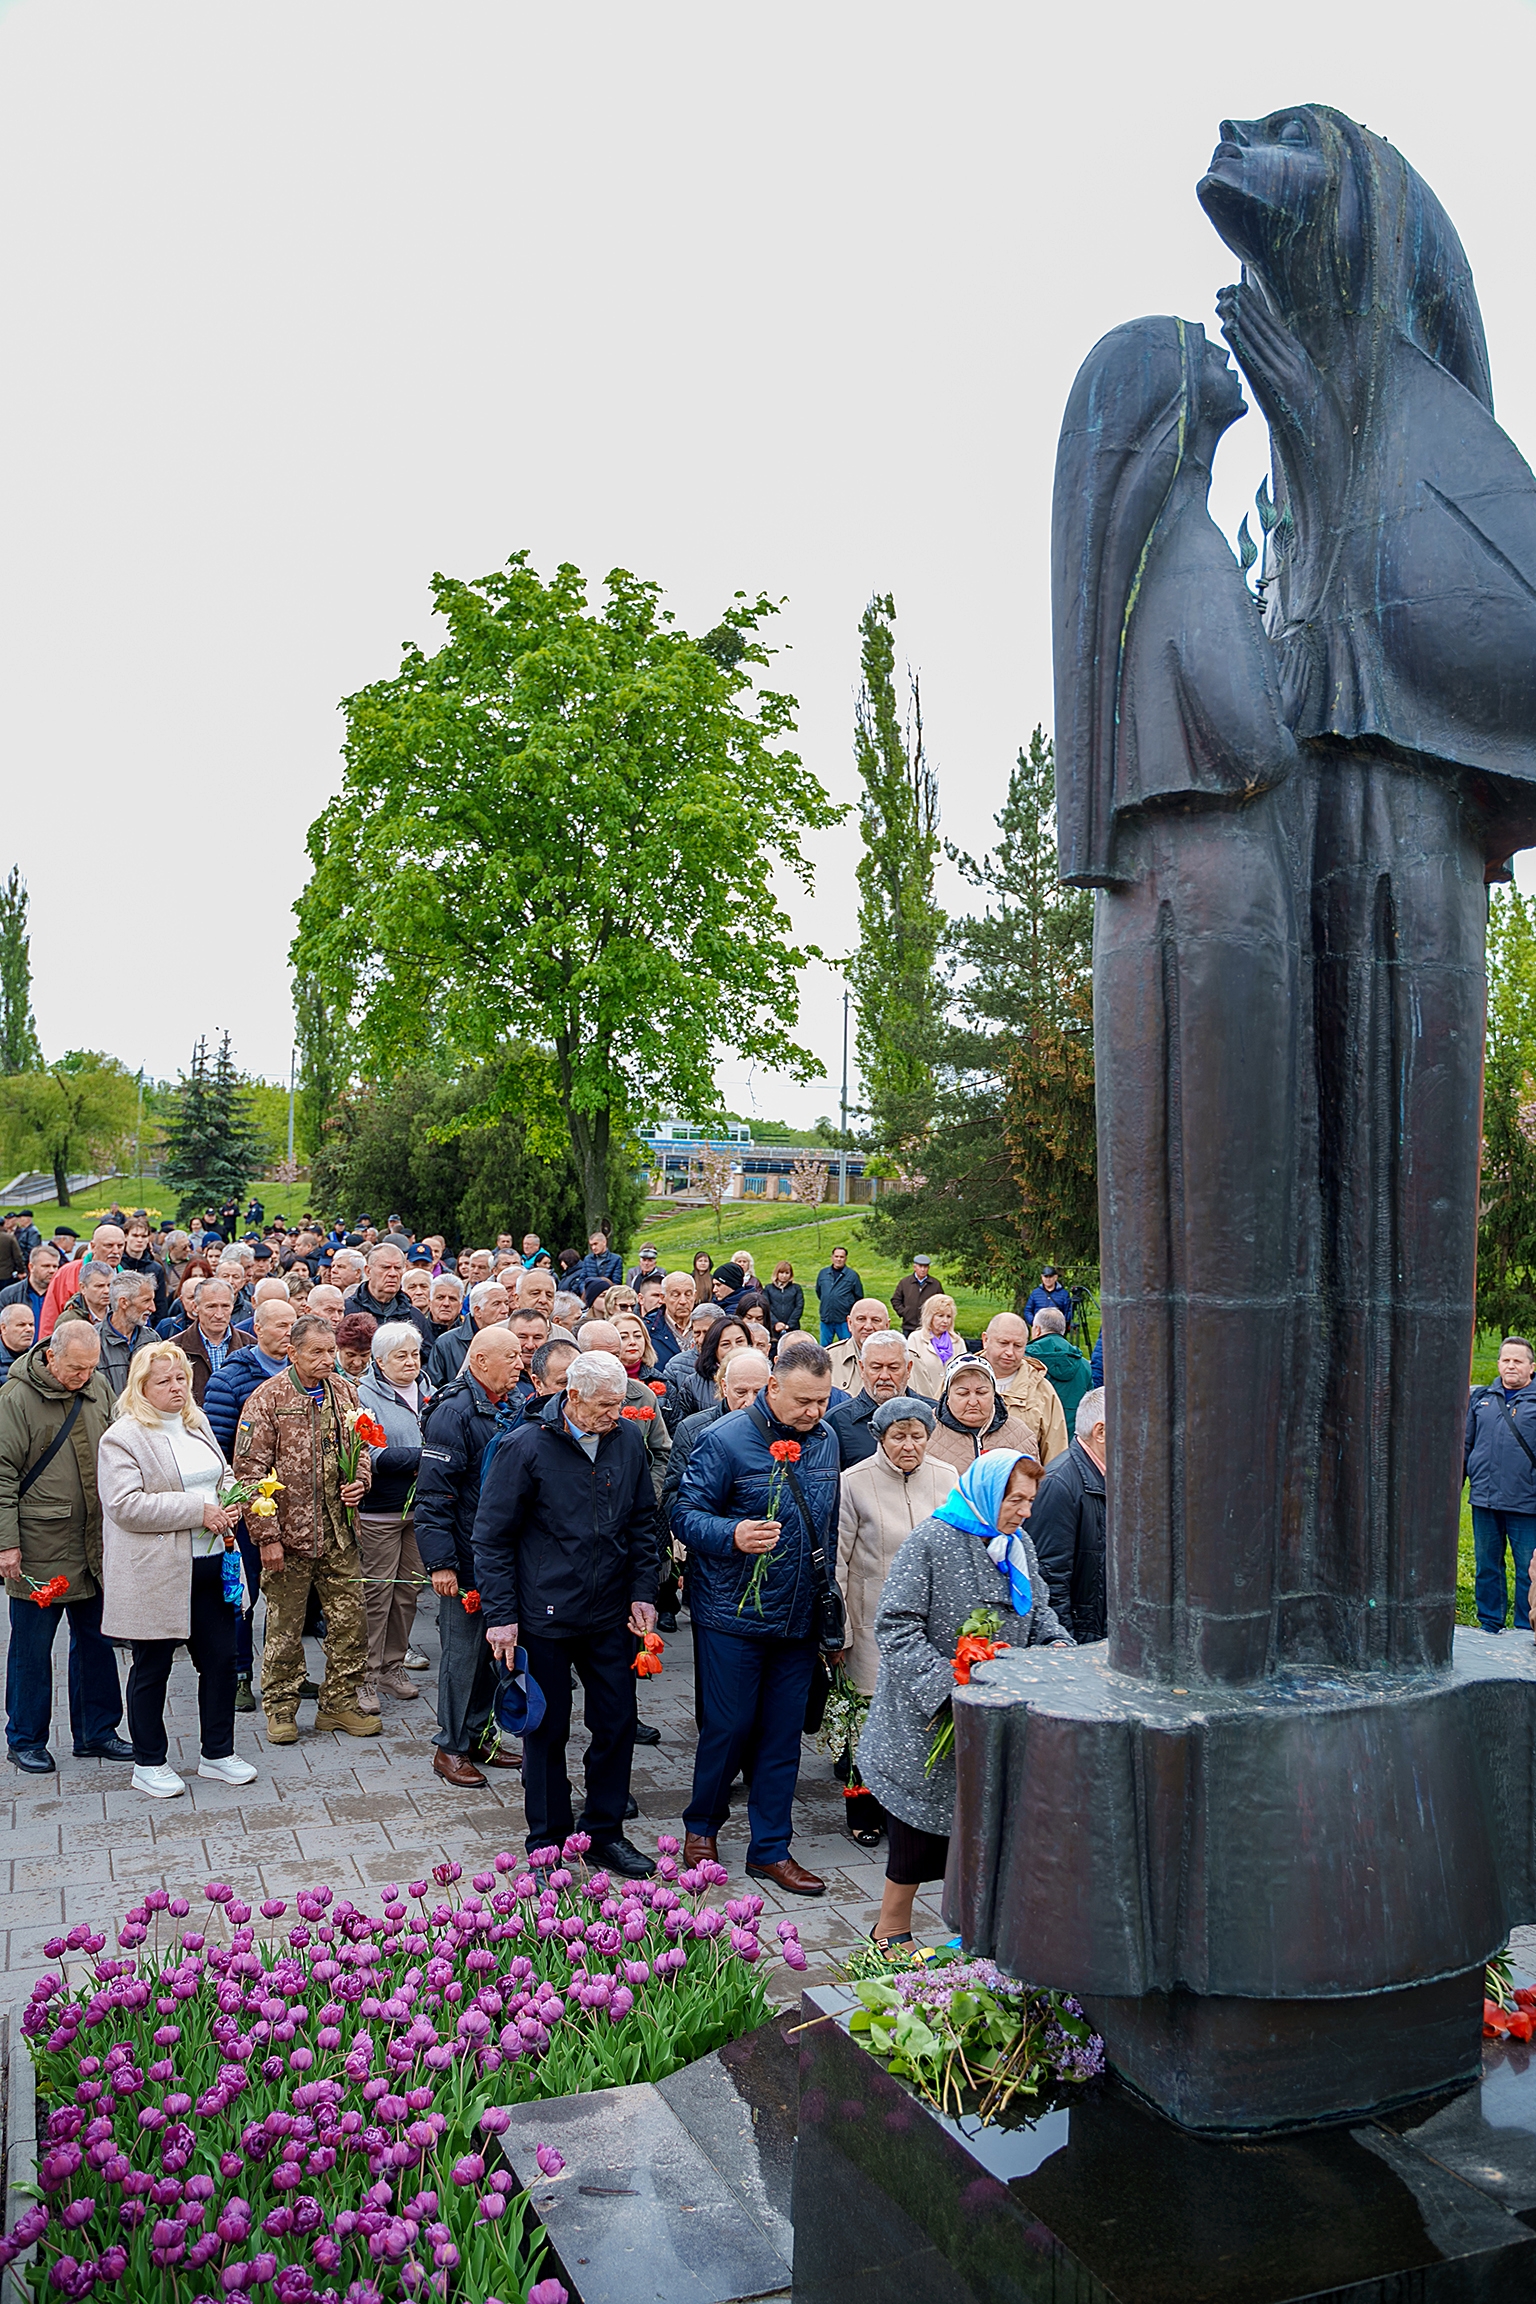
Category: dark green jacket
<point>57,1524</point>
<point>1068,1371</point>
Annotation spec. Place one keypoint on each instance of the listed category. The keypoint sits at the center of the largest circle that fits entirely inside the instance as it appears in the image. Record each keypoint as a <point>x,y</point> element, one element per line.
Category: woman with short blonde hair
<point>159,1471</point>
<point>936,1347</point>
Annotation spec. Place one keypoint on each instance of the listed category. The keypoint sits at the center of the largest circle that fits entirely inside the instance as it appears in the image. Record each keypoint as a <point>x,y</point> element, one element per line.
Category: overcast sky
<point>308,299</point>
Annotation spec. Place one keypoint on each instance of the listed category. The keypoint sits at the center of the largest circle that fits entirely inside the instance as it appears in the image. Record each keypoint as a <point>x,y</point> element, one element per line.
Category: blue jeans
<point>834,1332</point>
<point>1491,1531</point>
<point>752,1696</point>
<point>95,1692</point>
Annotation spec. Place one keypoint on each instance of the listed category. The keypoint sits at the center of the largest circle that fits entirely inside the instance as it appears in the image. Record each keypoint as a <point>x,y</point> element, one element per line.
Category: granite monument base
<point>1277,1898</point>
<point>1099,2200</point>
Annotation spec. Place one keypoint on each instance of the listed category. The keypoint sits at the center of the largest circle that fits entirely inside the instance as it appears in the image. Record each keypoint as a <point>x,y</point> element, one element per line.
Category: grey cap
<point>922,1259</point>
<point>906,1407</point>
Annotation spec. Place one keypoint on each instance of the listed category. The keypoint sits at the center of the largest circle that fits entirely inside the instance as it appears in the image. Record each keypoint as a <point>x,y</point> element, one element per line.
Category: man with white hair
<point>487,1307</point>
<point>536,1292</point>
<point>884,1358</point>
<point>327,1302</point>
<point>445,1304</point>
<point>1067,1524</point>
<point>566,1542</point>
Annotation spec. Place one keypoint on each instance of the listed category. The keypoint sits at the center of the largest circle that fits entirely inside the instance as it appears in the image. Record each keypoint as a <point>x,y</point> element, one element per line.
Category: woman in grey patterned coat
<point>971,1553</point>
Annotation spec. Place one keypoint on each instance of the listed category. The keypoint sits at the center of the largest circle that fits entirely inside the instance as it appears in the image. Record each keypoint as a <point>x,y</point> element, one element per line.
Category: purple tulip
<point>491,2205</point>
<point>794,1956</point>
<point>274,1908</point>
<point>550,2161</point>
<point>495,2121</point>
<point>469,2170</point>
<point>75,2213</point>
<point>548,2292</point>
<point>217,1893</point>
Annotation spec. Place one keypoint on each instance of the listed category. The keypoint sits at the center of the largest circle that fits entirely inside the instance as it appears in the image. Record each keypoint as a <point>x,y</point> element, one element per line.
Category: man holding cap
<point>910,1295</point>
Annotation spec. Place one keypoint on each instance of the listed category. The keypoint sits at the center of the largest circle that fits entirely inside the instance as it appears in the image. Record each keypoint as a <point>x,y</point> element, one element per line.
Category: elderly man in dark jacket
<point>477,1406</point>
<point>1066,1526</point>
<point>884,1359</point>
<point>54,1407</point>
<point>566,1543</point>
<point>1497,1462</point>
<point>754,1591</point>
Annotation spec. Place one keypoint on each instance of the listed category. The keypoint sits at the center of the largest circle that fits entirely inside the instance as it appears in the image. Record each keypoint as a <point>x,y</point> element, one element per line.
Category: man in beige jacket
<point>867,1318</point>
<point>1023,1386</point>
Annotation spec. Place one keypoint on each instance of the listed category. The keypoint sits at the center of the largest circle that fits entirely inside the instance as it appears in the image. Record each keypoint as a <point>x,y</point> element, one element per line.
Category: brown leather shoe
<point>698,1848</point>
<point>790,1876</point>
<point>504,1756</point>
<point>455,1768</point>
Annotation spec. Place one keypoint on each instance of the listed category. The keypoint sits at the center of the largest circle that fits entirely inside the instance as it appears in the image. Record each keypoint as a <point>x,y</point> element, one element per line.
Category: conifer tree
<point>213,1148</point>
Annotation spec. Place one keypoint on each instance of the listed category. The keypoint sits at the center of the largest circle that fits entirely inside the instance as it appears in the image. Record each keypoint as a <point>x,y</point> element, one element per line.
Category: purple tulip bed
<point>314,2117</point>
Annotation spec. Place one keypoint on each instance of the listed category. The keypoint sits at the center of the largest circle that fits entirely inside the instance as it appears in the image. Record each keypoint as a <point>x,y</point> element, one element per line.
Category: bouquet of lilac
<point>969,2037</point>
<point>314,2121</point>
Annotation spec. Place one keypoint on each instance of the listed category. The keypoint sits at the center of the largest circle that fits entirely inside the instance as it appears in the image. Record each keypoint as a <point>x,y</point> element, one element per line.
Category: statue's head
<point>1334,223</point>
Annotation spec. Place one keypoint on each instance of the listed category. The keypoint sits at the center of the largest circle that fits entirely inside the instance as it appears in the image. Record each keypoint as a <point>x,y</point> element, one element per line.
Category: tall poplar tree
<point>893,973</point>
<point>19,1049</point>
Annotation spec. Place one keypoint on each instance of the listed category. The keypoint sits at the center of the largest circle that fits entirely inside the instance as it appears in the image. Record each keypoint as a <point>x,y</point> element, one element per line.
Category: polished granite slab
<point>677,2192</point>
<point>1100,2200</point>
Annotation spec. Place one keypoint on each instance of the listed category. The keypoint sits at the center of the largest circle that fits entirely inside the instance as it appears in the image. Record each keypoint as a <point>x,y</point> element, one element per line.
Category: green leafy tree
<point>77,1113</point>
<point>893,974</point>
<point>213,1147</point>
<point>413,1147</point>
<point>1008,1171</point>
<point>19,1049</point>
<point>560,831</point>
<point>1506,1231</point>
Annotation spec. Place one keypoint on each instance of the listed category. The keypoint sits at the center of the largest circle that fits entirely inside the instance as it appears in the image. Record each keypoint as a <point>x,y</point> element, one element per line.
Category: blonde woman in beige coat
<point>935,1347</point>
<point>158,1473</point>
<point>883,1500</point>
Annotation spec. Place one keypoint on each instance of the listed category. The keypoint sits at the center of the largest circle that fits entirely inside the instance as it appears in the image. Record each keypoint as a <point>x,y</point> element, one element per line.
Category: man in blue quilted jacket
<point>754,1590</point>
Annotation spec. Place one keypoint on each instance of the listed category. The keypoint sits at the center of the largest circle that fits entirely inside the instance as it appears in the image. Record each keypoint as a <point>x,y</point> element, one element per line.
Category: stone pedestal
<point>1098,2200</point>
<point>1276,1901</point>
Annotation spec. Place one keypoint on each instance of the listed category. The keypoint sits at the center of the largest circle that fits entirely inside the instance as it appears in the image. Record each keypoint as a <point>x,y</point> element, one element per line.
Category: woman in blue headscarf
<point>971,1553</point>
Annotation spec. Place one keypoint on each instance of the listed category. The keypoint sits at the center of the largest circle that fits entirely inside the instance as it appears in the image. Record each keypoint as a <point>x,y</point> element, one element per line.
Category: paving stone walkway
<point>83,1846</point>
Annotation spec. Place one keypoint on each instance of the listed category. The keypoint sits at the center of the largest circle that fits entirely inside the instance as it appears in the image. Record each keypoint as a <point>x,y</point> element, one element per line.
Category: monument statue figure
<point>1172,760</point>
<point>1275,1829</point>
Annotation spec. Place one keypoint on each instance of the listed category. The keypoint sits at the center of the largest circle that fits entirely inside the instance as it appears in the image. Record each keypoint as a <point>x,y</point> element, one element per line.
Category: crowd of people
<point>571,1456</point>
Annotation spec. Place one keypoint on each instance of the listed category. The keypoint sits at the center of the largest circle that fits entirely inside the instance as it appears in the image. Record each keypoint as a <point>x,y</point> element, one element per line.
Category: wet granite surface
<point>1102,2201</point>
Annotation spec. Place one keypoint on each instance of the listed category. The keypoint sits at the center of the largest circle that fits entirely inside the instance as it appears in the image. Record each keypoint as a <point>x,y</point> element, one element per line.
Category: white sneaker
<point>160,1783</point>
<point>230,1770</point>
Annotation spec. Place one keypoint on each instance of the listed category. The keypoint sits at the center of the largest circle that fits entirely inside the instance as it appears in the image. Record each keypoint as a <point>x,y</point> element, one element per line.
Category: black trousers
<point>211,1645</point>
<point>604,1664</point>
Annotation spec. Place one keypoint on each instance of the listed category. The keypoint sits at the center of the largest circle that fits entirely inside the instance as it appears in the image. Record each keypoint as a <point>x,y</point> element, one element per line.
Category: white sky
<point>304,300</point>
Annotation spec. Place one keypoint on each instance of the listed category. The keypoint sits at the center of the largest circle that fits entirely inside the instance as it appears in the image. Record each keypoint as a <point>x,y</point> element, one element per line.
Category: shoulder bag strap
<point>57,1442</point>
<point>818,1554</point>
<point>1509,1416</point>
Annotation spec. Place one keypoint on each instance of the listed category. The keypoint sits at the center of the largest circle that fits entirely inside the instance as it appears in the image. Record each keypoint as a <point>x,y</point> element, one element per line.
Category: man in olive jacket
<point>54,1407</point>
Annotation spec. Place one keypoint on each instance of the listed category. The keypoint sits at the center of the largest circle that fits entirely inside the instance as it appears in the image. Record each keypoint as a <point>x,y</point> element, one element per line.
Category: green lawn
<point>783,1228</point>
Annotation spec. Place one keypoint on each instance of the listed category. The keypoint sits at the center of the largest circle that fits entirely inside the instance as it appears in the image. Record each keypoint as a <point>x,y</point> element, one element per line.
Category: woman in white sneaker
<point>158,1472</point>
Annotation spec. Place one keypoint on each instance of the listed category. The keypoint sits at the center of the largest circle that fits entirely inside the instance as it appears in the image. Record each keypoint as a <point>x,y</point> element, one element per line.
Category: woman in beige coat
<point>883,1499</point>
<point>158,1472</point>
<point>936,1347</point>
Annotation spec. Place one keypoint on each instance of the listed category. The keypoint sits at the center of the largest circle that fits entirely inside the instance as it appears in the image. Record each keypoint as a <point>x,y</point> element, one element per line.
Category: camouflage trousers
<point>337,1576</point>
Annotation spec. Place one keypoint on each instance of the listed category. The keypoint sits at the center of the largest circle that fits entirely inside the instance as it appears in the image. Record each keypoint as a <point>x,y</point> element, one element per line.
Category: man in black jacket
<point>566,1549</point>
<point>487,1307</point>
<point>1066,1526</point>
<point>884,1359</point>
<point>475,1409</point>
<point>382,1295</point>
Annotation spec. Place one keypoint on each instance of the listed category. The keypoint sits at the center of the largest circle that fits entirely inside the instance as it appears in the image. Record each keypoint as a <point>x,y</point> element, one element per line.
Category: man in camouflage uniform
<point>294,1425</point>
